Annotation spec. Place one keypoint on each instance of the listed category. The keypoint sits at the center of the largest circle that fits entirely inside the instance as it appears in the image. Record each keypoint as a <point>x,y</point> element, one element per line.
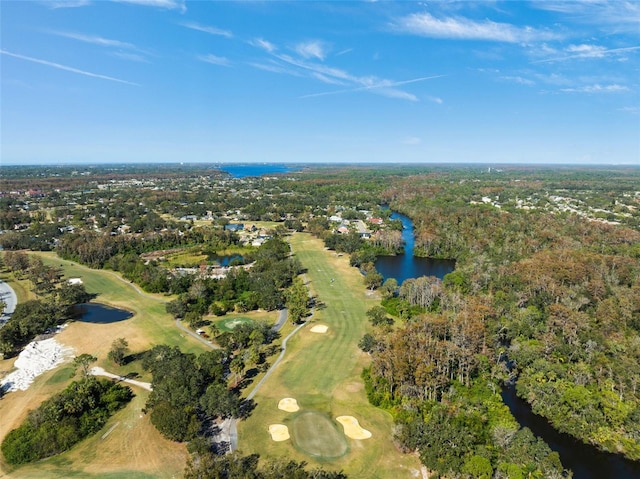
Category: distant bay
<point>257,169</point>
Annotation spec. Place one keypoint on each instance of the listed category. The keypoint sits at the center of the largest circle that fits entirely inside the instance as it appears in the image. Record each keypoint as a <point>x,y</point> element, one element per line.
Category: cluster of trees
<point>188,391</point>
<point>205,465</point>
<point>60,422</point>
<point>264,286</point>
<point>54,304</point>
<point>97,249</point>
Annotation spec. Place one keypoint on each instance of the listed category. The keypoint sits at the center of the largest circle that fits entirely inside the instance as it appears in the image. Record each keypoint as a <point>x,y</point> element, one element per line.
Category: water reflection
<point>100,314</point>
<point>406,265</point>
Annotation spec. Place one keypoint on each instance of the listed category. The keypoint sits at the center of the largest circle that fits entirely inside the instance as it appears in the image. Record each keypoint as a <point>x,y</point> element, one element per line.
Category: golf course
<point>321,371</point>
<point>129,446</point>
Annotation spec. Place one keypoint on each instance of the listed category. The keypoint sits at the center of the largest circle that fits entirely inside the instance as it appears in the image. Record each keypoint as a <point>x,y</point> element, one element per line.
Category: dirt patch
<point>352,428</point>
<point>319,328</point>
<point>279,432</point>
<point>288,405</point>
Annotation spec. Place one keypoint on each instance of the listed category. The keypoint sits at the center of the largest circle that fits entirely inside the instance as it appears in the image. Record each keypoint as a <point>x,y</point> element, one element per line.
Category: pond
<point>584,460</point>
<point>227,260</point>
<point>100,314</point>
<point>406,265</point>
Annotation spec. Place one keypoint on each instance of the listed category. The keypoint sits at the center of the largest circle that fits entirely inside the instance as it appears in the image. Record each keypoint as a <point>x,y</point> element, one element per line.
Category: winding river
<point>586,461</point>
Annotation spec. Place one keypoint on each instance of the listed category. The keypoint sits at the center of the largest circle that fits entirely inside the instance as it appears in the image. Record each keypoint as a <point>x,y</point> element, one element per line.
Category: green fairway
<point>322,371</point>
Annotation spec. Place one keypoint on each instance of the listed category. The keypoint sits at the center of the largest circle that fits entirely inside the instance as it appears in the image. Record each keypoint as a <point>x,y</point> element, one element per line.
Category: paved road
<point>8,295</point>
<point>204,341</point>
<point>233,427</point>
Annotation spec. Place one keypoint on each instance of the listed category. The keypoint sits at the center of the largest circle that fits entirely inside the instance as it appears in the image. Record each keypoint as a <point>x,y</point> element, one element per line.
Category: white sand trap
<point>352,428</point>
<point>289,405</point>
<point>36,358</point>
<point>319,328</point>
<point>279,432</point>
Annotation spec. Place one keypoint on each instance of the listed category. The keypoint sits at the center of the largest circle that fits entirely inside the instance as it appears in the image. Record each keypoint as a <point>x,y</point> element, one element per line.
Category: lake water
<point>101,314</point>
<point>406,265</point>
<point>257,169</point>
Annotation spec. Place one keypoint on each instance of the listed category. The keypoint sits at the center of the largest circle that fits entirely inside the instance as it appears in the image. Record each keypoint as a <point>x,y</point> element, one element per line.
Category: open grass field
<point>322,372</point>
<point>133,448</point>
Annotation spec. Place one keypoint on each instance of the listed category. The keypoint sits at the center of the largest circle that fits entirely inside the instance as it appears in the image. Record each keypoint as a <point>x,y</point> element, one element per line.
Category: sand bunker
<point>36,358</point>
<point>352,429</point>
<point>289,405</point>
<point>279,432</point>
<point>319,328</point>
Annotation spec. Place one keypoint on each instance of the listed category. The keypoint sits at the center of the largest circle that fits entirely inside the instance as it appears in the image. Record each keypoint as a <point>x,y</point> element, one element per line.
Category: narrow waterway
<point>586,461</point>
<point>406,265</point>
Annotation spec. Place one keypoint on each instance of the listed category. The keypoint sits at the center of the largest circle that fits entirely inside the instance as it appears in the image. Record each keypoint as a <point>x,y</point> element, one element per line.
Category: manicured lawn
<point>322,371</point>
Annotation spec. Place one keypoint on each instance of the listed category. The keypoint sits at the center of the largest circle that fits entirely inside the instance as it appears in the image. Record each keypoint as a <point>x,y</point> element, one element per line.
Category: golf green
<point>316,435</point>
<point>229,324</point>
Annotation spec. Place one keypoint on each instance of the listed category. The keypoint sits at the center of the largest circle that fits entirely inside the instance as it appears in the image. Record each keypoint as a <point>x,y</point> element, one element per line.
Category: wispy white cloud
<point>630,109</point>
<point>207,29</point>
<point>263,44</point>
<point>344,52</point>
<point>518,79</point>
<point>66,68</point>
<point>215,60</point>
<point>383,87</point>
<point>131,53</point>
<point>287,64</point>
<point>411,140</point>
<point>615,16</point>
<point>165,4</point>
<point>273,67</point>
<point>588,51</point>
<point>67,3</point>
<point>311,49</point>
<point>461,28</point>
<point>94,39</point>
<point>597,88</point>
<point>326,79</point>
<point>134,57</point>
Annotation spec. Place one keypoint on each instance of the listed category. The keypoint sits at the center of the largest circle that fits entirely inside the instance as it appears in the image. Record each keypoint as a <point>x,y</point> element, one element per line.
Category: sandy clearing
<point>319,328</point>
<point>36,358</point>
<point>279,432</point>
<point>288,405</point>
<point>352,428</point>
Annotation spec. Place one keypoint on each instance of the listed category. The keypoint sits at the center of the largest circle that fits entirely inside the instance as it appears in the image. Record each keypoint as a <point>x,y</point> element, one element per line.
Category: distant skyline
<point>142,81</point>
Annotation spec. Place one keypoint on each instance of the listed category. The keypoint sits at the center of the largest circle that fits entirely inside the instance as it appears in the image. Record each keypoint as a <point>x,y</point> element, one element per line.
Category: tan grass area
<point>288,405</point>
<point>319,328</point>
<point>352,428</point>
<point>279,432</point>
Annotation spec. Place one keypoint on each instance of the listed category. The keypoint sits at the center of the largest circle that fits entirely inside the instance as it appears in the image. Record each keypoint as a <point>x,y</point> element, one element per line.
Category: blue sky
<point>545,81</point>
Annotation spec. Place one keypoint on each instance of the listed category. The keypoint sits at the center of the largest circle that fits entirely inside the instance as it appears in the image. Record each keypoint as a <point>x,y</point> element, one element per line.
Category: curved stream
<point>586,461</point>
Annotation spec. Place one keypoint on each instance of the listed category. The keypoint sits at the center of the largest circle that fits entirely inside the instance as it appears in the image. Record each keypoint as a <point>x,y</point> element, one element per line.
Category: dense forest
<point>60,422</point>
<point>549,300</point>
